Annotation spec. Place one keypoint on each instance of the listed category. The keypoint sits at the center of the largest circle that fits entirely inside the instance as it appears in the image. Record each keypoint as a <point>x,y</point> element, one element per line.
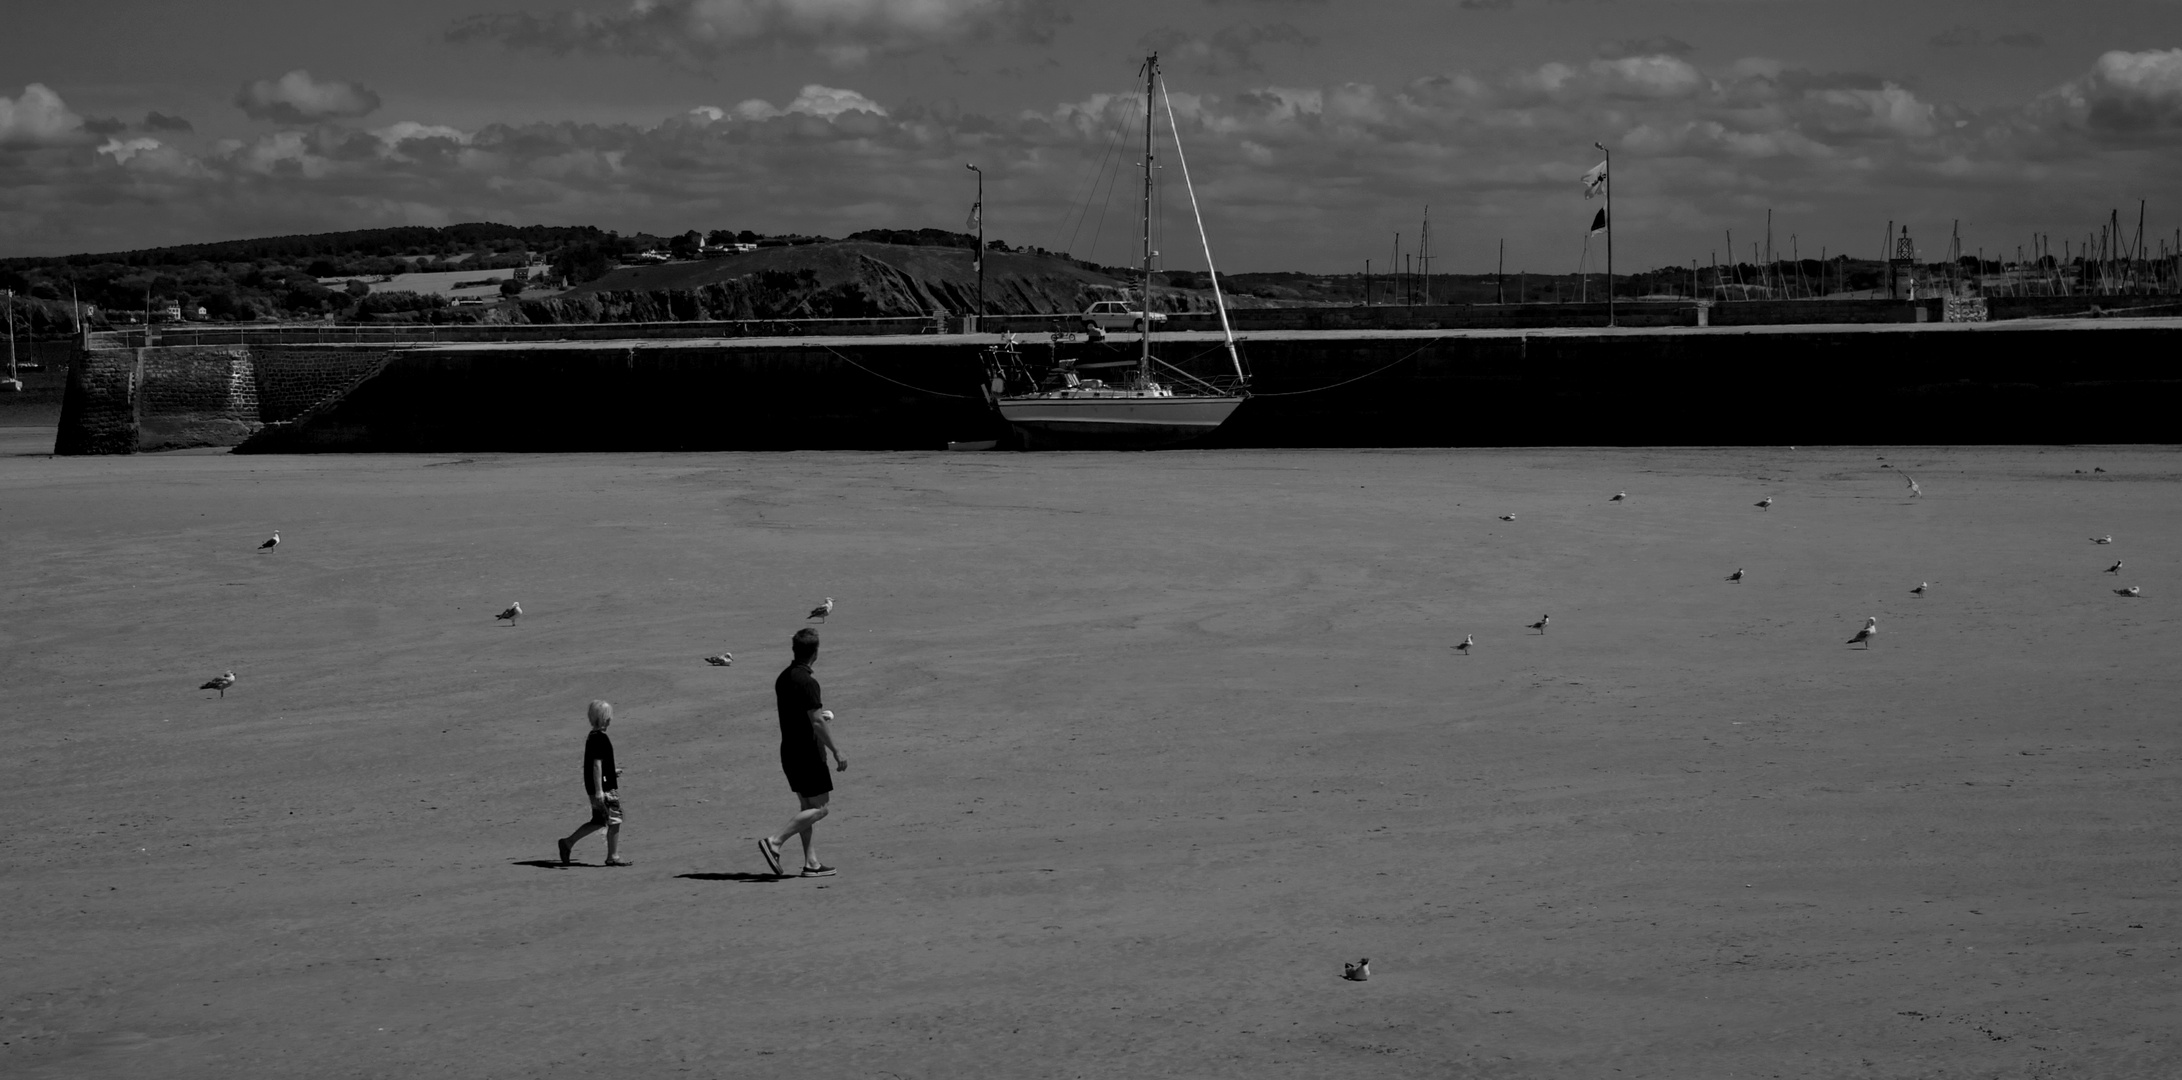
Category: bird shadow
<point>747,879</point>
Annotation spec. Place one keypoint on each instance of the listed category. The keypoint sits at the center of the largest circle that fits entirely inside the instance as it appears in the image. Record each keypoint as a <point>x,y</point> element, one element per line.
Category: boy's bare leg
<point>583,830</point>
<point>613,846</point>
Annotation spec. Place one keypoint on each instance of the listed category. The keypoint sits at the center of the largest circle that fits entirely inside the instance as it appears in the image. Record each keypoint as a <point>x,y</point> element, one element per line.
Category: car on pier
<point>1118,315</point>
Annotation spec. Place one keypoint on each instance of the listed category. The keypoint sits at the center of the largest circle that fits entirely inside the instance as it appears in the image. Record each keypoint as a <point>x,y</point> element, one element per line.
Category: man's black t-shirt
<point>598,748</point>
<point>796,693</point>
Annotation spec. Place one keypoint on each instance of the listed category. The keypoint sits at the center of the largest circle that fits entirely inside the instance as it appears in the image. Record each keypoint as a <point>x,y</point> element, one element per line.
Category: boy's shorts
<point>607,811</point>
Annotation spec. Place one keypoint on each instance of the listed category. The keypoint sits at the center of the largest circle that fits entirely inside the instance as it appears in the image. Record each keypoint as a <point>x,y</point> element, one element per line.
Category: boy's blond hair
<point>600,713</point>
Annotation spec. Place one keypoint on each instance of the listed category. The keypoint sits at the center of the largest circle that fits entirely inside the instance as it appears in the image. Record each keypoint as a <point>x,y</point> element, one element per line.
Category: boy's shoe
<point>818,871</point>
<point>619,861</point>
<point>771,853</point>
<point>564,846</point>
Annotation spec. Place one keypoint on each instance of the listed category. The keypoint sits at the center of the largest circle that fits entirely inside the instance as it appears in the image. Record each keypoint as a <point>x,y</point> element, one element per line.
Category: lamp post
<point>977,215</point>
<point>1609,231</point>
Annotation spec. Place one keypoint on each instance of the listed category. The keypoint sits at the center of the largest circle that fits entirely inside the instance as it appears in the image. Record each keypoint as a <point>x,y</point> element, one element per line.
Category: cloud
<point>1967,36</point>
<point>1229,49</point>
<point>823,102</point>
<point>2128,94</point>
<point>1657,45</point>
<point>124,149</point>
<point>37,118</point>
<point>159,121</point>
<point>297,98</point>
<point>105,125</point>
<point>696,32</point>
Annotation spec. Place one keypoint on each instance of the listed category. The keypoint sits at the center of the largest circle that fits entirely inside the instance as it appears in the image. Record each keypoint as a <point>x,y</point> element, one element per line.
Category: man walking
<point>806,737</point>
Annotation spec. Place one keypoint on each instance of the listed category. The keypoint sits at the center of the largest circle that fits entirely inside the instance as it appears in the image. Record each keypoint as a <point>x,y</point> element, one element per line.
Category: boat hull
<point>1116,423</point>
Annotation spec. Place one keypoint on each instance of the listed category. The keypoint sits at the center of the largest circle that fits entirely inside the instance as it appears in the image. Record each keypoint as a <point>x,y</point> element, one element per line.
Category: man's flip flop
<point>818,871</point>
<point>771,853</point>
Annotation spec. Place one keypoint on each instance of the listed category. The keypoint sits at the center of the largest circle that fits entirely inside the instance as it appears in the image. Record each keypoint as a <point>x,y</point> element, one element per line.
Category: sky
<point>1315,131</point>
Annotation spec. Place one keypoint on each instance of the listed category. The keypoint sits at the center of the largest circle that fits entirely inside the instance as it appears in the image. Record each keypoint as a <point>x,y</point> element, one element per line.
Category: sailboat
<point>1155,404</point>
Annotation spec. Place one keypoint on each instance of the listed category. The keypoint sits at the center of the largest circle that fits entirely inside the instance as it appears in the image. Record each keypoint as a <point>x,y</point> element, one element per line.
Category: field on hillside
<point>1143,748</point>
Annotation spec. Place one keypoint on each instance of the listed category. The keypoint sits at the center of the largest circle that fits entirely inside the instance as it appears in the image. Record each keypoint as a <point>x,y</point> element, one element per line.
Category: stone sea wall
<point>2110,381</point>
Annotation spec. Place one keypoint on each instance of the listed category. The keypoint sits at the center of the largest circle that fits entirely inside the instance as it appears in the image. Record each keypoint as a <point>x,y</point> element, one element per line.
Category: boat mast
<point>1144,359</point>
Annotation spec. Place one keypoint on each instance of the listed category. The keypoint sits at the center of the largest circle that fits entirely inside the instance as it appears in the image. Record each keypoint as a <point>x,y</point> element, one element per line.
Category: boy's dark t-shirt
<point>796,694</point>
<point>598,748</point>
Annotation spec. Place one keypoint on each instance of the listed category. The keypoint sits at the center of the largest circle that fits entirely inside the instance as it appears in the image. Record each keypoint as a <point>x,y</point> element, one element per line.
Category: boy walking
<point>806,737</point>
<point>602,782</point>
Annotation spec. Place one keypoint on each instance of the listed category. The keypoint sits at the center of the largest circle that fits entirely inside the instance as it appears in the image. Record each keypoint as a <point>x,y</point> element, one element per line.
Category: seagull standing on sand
<point>1764,503</point>
<point>1737,576</point>
<point>514,612</point>
<point>1921,587</point>
<point>1359,971</point>
<point>1870,630</point>
<point>722,660</point>
<point>2116,568</point>
<point>2107,539</point>
<point>1619,497</point>
<point>272,543</point>
<point>221,684</point>
<point>821,611</point>
<point>2130,591</point>
<point>1467,641</point>
<point>1540,625</point>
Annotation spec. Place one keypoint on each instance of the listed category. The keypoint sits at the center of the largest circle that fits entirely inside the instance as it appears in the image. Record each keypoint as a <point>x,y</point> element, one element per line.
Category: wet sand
<point>1142,749</point>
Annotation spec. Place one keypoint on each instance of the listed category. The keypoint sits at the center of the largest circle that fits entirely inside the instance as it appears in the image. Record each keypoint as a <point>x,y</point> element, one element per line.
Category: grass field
<point>1142,749</point>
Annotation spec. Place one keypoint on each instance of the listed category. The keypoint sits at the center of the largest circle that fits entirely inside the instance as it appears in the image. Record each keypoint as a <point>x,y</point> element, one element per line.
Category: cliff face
<point>851,279</point>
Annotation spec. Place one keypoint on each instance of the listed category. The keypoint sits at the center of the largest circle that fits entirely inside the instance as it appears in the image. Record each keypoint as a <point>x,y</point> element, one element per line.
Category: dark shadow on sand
<point>546,864</point>
<point>746,879</point>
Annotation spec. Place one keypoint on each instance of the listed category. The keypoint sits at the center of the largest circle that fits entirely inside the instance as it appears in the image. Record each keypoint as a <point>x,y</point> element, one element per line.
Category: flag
<point>1594,180</point>
<point>1598,223</point>
<point>977,217</point>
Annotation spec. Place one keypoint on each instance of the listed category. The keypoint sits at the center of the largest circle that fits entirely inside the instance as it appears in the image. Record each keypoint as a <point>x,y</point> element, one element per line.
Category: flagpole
<point>1609,231</point>
<point>977,209</point>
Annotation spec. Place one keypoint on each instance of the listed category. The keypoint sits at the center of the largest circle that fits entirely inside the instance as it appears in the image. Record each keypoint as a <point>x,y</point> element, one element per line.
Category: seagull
<point>1467,641</point>
<point>1507,517</point>
<point>1619,497</point>
<point>1870,630</point>
<point>1764,503</point>
<point>1540,625</point>
<point>1358,971</point>
<point>721,660</point>
<point>272,543</point>
<point>1914,490</point>
<point>221,684</point>
<point>2107,539</point>
<point>2130,591</point>
<point>1921,587</point>
<point>2116,568</point>
<point>821,611</point>
<point>1737,576</point>
<point>514,612</point>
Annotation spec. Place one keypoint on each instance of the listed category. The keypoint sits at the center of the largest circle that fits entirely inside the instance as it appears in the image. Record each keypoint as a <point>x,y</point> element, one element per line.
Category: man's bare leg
<point>814,811</point>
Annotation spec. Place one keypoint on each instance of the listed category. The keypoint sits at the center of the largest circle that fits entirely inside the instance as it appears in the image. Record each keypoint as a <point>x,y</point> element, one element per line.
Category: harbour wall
<point>2104,381</point>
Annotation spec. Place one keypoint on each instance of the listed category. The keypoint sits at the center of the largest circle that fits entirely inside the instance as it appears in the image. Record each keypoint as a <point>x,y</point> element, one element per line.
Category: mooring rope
<point>935,393</point>
<point>1332,386</point>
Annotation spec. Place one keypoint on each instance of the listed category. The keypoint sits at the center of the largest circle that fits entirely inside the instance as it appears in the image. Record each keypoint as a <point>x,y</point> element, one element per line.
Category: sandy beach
<point>1143,749</point>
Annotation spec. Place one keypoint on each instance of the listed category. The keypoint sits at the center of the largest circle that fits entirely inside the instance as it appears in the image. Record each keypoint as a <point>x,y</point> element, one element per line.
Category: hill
<point>846,279</point>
